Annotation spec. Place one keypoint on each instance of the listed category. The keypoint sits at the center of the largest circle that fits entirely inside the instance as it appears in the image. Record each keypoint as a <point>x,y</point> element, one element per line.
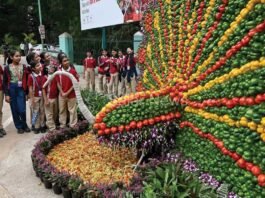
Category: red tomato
<point>225,151</point>
<point>127,128</point>
<point>177,115</point>
<point>96,126</point>
<point>255,170</point>
<point>230,104</point>
<point>259,98</point>
<point>224,101</point>
<point>133,124</point>
<point>121,128</point>
<point>98,119</point>
<point>103,126</point>
<point>219,144</point>
<point>163,117</point>
<point>260,27</point>
<point>151,121</point>
<point>261,178</point>
<point>241,163</point>
<point>139,125</point>
<point>242,101</point>
<point>145,122</point>
<point>107,131</point>
<point>235,100</point>
<point>113,129</point>
<point>100,132</point>
<point>235,156</point>
<point>250,101</point>
<point>168,117</point>
<point>249,166</point>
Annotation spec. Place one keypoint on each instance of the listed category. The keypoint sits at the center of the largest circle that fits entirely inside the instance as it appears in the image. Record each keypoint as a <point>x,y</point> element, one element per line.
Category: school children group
<point>51,106</point>
<point>116,73</point>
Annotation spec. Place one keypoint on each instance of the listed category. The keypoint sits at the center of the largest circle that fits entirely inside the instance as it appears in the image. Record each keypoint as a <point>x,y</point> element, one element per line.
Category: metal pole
<point>40,17</point>
<point>104,43</point>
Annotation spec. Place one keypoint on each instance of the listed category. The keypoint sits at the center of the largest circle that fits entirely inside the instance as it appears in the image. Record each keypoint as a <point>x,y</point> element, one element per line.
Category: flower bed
<point>93,162</point>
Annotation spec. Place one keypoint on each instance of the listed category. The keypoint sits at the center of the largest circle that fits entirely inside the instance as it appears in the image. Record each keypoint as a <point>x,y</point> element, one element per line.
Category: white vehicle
<point>46,47</point>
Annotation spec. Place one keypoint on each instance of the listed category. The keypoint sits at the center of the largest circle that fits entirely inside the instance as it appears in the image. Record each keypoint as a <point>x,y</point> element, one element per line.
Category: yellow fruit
<point>260,129</point>
<point>243,121</point>
<point>252,125</point>
<point>263,121</point>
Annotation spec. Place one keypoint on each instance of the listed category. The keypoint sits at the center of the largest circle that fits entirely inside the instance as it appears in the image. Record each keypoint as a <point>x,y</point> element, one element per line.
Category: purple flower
<point>189,166</point>
<point>232,195</point>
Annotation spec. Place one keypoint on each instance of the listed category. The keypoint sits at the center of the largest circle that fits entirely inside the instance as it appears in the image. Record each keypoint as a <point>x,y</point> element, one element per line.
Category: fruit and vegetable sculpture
<point>204,65</point>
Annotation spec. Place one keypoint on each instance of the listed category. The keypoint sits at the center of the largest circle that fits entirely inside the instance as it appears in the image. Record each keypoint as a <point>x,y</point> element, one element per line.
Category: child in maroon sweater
<point>67,98</point>
<point>50,94</point>
<point>114,73</point>
<point>35,83</point>
<point>90,64</point>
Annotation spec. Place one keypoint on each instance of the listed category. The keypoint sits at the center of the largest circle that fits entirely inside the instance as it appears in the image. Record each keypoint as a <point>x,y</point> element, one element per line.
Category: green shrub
<point>169,180</point>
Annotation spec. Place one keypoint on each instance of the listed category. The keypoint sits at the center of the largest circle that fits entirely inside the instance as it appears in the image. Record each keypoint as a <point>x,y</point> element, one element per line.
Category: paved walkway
<point>17,178</point>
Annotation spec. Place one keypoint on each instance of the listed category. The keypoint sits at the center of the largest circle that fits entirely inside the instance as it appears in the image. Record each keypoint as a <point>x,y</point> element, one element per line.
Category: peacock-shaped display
<point>204,66</point>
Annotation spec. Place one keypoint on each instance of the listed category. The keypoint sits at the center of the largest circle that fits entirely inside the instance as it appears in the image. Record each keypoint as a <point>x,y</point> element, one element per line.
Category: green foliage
<point>169,180</point>
<point>8,39</point>
<point>74,183</point>
<point>29,38</point>
<point>94,101</point>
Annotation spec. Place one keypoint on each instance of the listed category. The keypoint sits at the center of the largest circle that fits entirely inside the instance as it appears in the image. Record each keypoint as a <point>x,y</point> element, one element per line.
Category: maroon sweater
<point>7,79</point>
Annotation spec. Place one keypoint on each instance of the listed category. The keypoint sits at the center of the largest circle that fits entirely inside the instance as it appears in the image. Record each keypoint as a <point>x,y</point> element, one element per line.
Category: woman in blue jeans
<point>15,89</point>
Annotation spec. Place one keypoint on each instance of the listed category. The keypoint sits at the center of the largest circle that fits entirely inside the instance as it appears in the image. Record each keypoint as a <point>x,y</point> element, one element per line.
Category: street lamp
<point>41,27</point>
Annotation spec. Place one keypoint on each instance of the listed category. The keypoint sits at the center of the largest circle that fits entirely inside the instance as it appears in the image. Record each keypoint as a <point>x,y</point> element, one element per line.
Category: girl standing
<point>103,67</point>
<point>32,57</point>
<point>50,94</point>
<point>122,73</point>
<point>114,74</point>
<point>15,89</point>
<point>89,70</point>
<point>131,73</point>
<point>35,83</point>
<point>67,97</point>
<point>45,60</point>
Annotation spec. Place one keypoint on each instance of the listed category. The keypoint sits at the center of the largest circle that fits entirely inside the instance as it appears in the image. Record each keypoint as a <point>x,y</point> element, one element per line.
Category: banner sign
<point>101,13</point>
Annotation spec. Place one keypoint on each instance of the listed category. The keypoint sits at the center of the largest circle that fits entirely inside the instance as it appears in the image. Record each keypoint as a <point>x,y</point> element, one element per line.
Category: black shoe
<point>1,135</point>
<point>27,129</point>
<point>20,131</point>
<point>33,128</point>
<point>42,130</point>
<point>3,131</point>
<point>36,131</point>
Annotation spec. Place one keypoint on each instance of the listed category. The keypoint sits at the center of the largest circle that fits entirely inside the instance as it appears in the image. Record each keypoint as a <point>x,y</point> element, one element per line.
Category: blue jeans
<point>18,105</point>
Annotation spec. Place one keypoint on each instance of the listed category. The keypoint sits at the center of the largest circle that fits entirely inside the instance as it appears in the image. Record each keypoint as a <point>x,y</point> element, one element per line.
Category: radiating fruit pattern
<point>208,57</point>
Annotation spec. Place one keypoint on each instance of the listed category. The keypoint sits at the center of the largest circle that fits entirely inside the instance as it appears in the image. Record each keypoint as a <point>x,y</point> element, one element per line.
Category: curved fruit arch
<point>204,63</point>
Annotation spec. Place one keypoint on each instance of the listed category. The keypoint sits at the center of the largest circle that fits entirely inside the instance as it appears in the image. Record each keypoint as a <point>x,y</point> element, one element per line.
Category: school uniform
<point>36,81</point>
<point>89,69</point>
<point>68,103</point>
<point>114,76</point>
<point>15,86</point>
<point>103,67</point>
<point>131,74</point>
<point>51,110</point>
<point>122,75</point>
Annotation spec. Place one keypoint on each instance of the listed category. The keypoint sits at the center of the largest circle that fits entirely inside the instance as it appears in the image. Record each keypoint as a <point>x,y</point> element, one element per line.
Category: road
<point>17,178</point>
